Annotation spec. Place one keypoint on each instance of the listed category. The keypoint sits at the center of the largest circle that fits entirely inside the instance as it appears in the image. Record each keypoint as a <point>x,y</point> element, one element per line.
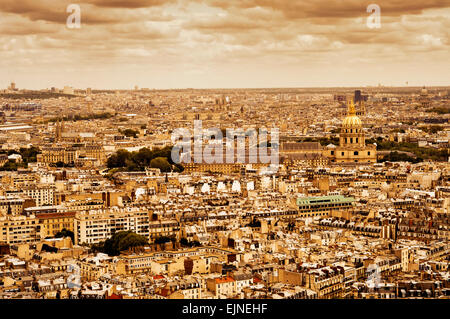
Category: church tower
<point>58,131</point>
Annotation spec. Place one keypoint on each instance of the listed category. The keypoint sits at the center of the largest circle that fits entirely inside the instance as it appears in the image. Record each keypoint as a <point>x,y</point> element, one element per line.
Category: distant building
<point>68,90</point>
<point>357,97</point>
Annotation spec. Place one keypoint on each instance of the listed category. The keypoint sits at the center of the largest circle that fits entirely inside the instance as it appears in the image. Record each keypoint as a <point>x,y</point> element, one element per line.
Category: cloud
<point>128,3</point>
<point>92,11</point>
<point>220,40</point>
<point>328,9</point>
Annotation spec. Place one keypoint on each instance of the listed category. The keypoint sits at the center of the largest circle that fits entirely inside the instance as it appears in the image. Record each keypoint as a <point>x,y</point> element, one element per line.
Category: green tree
<point>143,157</point>
<point>59,164</point>
<point>12,166</point>
<point>129,133</point>
<point>118,159</point>
<point>184,242</point>
<point>121,241</point>
<point>65,233</point>
<point>138,161</point>
<point>161,163</point>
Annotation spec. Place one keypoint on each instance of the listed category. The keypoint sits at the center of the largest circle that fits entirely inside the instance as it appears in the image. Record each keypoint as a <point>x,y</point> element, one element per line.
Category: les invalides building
<point>352,143</point>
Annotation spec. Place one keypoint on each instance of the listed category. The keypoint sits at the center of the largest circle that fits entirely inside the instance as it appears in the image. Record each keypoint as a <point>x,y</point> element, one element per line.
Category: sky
<point>165,44</point>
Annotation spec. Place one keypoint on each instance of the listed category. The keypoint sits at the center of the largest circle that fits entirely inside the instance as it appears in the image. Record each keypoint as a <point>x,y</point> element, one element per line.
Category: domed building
<point>352,143</point>
<point>424,98</point>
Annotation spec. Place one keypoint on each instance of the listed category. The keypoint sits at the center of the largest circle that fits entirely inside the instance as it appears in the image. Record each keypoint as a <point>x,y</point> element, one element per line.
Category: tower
<point>58,130</point>
<point>357,98</point>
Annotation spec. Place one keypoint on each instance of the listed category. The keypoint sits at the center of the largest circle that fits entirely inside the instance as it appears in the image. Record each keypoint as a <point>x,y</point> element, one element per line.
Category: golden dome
<point>351,120</point>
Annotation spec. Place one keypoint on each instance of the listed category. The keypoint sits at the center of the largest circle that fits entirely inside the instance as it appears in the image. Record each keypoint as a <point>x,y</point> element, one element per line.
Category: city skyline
<point>221,44</point>
<point>214,151</point>
<point>134,87</point>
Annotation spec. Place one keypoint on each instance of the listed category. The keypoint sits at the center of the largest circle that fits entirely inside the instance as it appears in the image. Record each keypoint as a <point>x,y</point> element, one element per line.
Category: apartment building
<point>11,206</point>
<point>328,282</point>
<point>92,268</point>
<point>223,287</point>
<point>19,229</point>
<point>97,225</point>
<point>163,228</point>
<point>17,180</point>
<point>53,223</point>
<point>43,195</point>
<point>191,261</point>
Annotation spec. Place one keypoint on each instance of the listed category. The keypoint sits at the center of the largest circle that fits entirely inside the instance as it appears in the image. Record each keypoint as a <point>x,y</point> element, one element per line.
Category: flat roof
<point>324,199</point>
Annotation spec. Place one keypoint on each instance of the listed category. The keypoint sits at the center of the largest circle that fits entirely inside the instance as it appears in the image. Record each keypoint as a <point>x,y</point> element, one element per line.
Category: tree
<point>118,159</point>
<point>65,233</point>
<point>12,166</point>
<point>400,157</point>
<point>143,157</point>
<point>184,242</point>
<point>129,133</point>
<point>59,164</point>
<point>138,161</point>
<point>161,163</point>
<point>29,155</point>
<point>162,240</point>
<point>178,168</point>
<point>121,241</point>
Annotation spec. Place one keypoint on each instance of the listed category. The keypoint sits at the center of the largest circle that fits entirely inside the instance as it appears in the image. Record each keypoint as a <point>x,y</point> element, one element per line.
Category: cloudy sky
<point>223,43</point>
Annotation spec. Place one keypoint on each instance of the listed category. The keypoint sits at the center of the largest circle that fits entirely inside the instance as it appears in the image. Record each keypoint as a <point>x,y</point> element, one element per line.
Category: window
<point>356,153</point>
<point>368,153</point>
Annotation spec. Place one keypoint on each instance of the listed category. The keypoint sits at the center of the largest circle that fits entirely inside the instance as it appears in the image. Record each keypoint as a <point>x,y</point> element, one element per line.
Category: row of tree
<point>423,153</point>
<point>78,117</point>
<point>120,241</point>
<point>400,157</point>
<point>138,161</point>
<point>124,240</point>
<point>189,243</point>
<point>439,110</point>
<point>129,132</point>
